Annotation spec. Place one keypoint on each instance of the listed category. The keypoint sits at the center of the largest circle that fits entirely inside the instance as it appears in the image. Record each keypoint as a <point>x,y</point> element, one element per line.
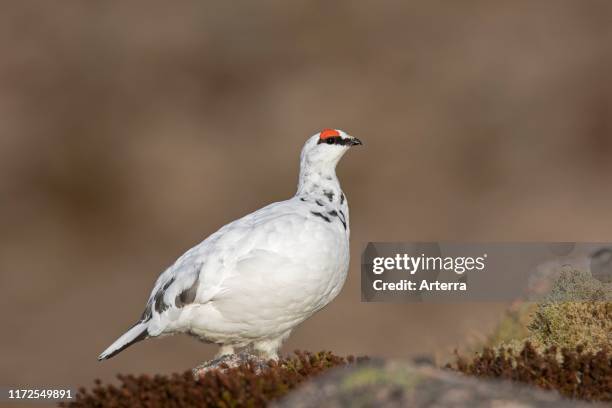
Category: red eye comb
<point>327,133</point>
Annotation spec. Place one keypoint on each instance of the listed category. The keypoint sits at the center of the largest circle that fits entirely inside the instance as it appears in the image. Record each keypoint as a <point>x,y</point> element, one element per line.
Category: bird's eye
<point>330,140</point>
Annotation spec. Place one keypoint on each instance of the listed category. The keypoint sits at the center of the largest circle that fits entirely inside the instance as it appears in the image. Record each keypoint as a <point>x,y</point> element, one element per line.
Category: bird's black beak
<point>355,142</point>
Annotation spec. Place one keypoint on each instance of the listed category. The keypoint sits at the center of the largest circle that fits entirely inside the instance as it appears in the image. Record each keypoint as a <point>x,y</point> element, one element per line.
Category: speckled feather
<point>255,279</point>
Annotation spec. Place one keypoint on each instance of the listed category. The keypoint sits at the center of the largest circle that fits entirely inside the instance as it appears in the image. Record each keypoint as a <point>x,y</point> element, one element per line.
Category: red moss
<point>579,375</point>
<point>239,386</point>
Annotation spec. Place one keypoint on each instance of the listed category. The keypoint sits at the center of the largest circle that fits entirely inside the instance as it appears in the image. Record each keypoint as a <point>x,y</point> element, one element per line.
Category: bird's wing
<point>257,242</point>
<point>198,275</point>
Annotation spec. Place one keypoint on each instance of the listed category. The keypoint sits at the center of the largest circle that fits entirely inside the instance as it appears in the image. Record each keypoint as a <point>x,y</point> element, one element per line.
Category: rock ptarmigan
<point>254,280</point>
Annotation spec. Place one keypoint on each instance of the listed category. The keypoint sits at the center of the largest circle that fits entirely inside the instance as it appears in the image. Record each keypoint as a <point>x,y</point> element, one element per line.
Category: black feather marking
<point>341,198</point>
<point>160,306</point>
<point>318,214</point>
<point>337,140</point>
<point>148,313</point>
<point>334,213</point>
<point>343,218</point>
<point>319,203</point>
<point>329,195</point>
<point>187,296</point>
<point>303,199</point>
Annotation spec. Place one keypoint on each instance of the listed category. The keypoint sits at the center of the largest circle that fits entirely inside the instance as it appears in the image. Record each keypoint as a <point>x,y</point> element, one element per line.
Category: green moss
<point>576,311</point>
<point>514,325</point>
<point>371,376</point>
<point>578,286</point>
<point>569,324</point>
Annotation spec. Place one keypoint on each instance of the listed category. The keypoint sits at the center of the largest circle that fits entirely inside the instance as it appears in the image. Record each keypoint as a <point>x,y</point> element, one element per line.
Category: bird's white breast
<point>266,273</point>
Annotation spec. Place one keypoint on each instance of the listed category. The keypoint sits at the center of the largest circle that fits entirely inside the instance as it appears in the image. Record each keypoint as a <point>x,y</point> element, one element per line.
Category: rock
<point>396,383</point>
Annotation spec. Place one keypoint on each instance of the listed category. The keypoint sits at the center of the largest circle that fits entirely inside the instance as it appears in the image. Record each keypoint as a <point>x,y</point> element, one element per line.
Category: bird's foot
<point>227,361</point>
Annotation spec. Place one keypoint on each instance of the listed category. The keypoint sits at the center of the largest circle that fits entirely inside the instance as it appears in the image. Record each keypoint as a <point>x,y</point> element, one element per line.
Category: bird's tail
<point>137,333</point>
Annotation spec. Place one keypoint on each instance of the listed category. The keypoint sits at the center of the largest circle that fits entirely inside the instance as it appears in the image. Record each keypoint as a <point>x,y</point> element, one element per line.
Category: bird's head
<point>327,147</point>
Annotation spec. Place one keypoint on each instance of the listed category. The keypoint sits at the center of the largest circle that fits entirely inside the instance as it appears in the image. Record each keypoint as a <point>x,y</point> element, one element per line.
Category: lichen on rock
<point>577,311</point>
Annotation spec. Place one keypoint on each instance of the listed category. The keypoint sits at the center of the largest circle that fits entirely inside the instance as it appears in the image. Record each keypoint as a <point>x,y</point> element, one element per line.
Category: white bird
<point>254,280</point>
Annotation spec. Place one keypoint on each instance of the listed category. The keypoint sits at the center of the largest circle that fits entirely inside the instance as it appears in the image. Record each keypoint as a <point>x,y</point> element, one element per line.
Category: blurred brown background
<point>130,131</point>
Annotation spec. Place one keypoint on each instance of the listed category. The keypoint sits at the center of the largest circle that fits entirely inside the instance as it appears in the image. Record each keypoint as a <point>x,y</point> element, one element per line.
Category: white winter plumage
<point>254,280</point>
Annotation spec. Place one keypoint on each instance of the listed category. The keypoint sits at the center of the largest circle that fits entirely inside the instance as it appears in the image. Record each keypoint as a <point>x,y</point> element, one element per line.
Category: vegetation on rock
<point>563,343</point>
<point>576,312</point>
<point>579,374</point>
<point>245,385</point>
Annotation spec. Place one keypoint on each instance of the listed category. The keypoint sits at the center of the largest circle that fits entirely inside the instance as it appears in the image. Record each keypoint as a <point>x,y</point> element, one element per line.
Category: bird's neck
<point>319,181</point>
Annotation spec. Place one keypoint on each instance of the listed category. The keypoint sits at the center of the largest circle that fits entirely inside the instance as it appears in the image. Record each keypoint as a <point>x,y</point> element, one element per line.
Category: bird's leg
<point>225,350</point>
<point>268,349</point>
<point>225,357</point>
<point>265,350</point>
